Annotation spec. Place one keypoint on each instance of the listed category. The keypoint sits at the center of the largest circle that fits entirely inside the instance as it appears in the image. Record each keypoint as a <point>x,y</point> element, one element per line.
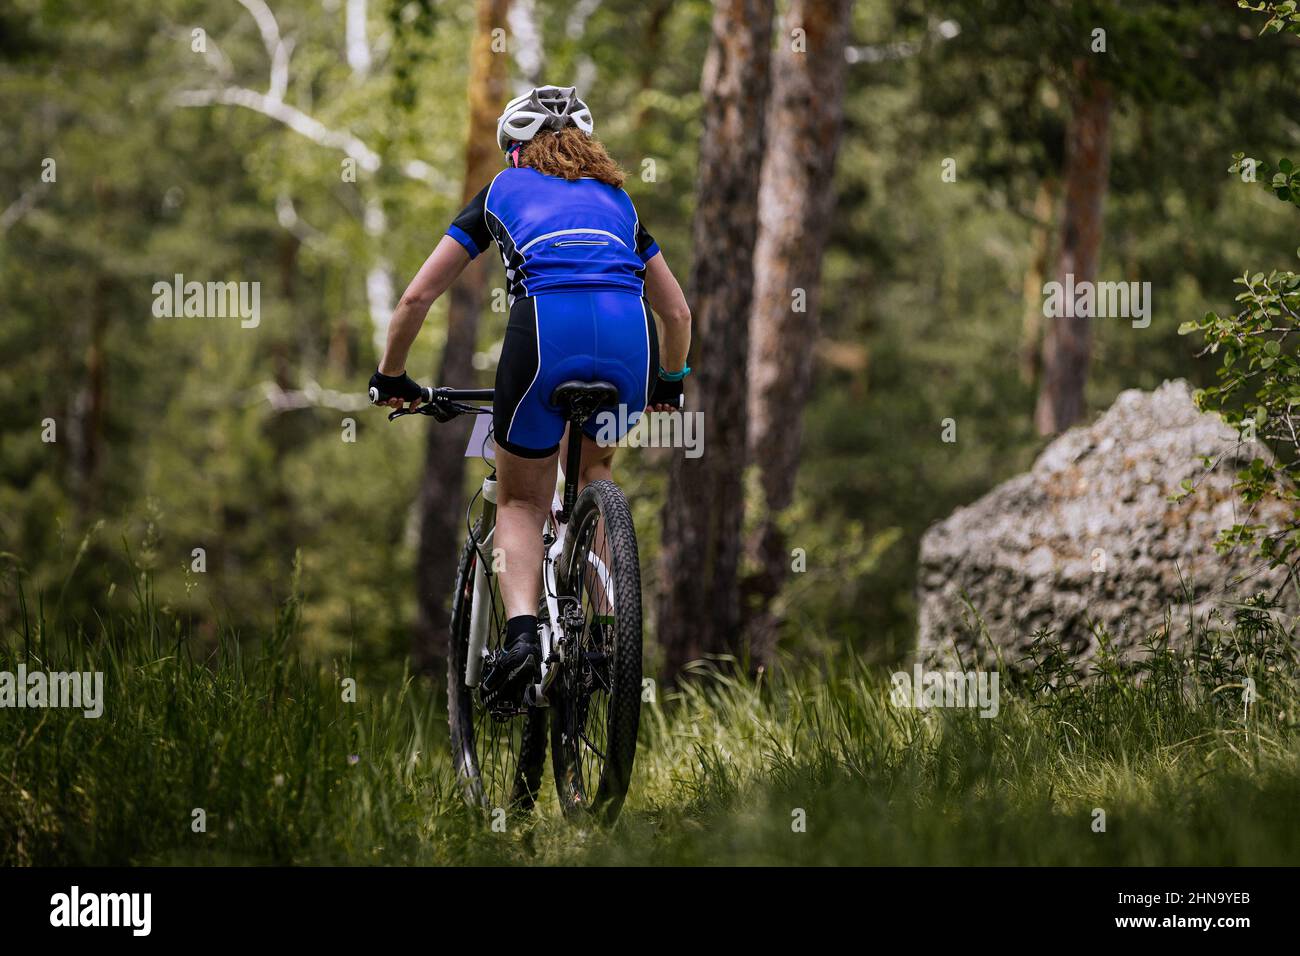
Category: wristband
<point>674,376</point>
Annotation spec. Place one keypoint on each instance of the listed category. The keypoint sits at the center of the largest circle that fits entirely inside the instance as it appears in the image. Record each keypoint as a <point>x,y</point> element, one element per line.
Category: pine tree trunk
<point>442,499</point>
<point>1067,344</point>
<point>699,604</point>
<point>1040,246</point>
<point>795,206</point>
<point>92,396</point>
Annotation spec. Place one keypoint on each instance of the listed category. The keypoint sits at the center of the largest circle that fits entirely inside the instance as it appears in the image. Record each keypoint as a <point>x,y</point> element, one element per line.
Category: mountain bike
<point>588,701</point>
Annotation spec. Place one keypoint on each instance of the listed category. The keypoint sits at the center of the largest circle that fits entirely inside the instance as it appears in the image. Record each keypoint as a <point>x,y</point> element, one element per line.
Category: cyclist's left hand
<point>394,390</point>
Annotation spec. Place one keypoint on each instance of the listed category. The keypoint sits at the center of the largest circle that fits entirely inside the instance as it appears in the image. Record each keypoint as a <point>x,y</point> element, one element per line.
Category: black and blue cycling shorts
<point>554,337</point>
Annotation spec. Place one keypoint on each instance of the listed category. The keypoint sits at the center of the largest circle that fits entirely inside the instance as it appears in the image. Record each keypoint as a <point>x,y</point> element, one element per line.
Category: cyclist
<point>583,276</point>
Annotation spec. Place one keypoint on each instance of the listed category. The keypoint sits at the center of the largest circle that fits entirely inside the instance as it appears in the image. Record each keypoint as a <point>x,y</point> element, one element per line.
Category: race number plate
<point>480,445</point>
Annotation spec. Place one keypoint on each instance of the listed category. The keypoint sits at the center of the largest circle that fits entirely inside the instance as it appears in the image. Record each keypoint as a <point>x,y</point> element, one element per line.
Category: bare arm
<point>439,271</point>
<point>666,298</point>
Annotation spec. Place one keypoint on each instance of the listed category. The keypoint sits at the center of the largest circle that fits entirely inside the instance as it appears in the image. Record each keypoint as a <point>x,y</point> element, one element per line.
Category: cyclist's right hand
<point>667,396</point>
<point>394,390</point>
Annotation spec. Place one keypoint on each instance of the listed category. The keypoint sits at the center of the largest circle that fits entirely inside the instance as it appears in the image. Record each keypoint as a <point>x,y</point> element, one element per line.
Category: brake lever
<point>461,408</point>
<point>440,409</point>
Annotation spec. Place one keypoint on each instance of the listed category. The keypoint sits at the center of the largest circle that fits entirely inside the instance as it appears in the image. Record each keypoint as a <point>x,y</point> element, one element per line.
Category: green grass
<point>288,772</point>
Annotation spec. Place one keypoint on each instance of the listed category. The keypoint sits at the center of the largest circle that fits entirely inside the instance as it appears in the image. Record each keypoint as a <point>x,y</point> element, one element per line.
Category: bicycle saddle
<point>583,398</point>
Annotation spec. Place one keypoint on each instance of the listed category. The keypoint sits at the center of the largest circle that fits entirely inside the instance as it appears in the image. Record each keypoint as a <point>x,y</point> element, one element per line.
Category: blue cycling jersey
<point>557,235</point>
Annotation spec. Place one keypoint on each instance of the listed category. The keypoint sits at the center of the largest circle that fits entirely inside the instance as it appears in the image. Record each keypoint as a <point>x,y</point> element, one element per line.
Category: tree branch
<point>21,206</point>
<point>287,215</point>
<point>311,395</point>
<point>276,49</point>
<point>272,105</point>
<point>358,47</point>
<point>290,116</point>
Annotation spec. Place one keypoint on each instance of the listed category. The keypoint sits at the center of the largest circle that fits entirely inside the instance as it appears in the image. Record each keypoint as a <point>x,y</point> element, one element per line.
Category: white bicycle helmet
<point>545,107</point>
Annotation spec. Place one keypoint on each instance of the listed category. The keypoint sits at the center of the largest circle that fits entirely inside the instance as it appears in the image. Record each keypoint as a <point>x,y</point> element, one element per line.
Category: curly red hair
<point>571,154</point>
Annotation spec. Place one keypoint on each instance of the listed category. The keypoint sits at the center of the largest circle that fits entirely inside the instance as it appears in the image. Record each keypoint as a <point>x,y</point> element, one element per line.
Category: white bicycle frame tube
<point>480,608</point>
<point>552,629</point>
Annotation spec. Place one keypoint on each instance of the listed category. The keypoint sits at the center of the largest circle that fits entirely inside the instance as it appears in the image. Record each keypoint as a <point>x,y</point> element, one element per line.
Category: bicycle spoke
<point>589,684</point>
<point>596,750</point>
<point>499,744</point>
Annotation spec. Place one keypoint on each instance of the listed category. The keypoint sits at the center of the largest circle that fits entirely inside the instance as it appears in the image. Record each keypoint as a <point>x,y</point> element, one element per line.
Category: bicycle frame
<point>553,534</point>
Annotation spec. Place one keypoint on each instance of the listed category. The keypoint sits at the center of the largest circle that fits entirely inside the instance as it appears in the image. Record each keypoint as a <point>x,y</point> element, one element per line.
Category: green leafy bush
<point>1259,380</point>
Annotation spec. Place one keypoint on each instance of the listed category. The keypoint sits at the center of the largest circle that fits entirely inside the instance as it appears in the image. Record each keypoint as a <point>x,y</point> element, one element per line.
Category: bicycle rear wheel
<point>596,701</point>
<point>498,761</point>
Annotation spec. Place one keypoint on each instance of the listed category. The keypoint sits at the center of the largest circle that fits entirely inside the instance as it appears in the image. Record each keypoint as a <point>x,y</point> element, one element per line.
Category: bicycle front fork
<point>480,611</point>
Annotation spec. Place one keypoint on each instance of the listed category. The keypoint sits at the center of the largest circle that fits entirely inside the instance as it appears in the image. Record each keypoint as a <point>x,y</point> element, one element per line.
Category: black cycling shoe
<point>508,672</point>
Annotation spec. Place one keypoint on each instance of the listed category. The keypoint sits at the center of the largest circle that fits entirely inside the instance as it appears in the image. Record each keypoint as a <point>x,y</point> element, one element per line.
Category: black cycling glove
<point>668,393</point>
<point>384,387</point>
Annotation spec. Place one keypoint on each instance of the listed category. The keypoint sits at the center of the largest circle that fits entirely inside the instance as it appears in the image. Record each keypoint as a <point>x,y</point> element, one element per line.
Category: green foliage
<point>1259,379</point>
<point>1283,182</point>
<point>1284,16</point>
<point>1259,390</point>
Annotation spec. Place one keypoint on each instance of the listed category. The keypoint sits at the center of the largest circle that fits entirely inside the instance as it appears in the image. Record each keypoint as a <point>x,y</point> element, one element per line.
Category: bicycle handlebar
<point>460,394</point>
<point>443,404</point>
